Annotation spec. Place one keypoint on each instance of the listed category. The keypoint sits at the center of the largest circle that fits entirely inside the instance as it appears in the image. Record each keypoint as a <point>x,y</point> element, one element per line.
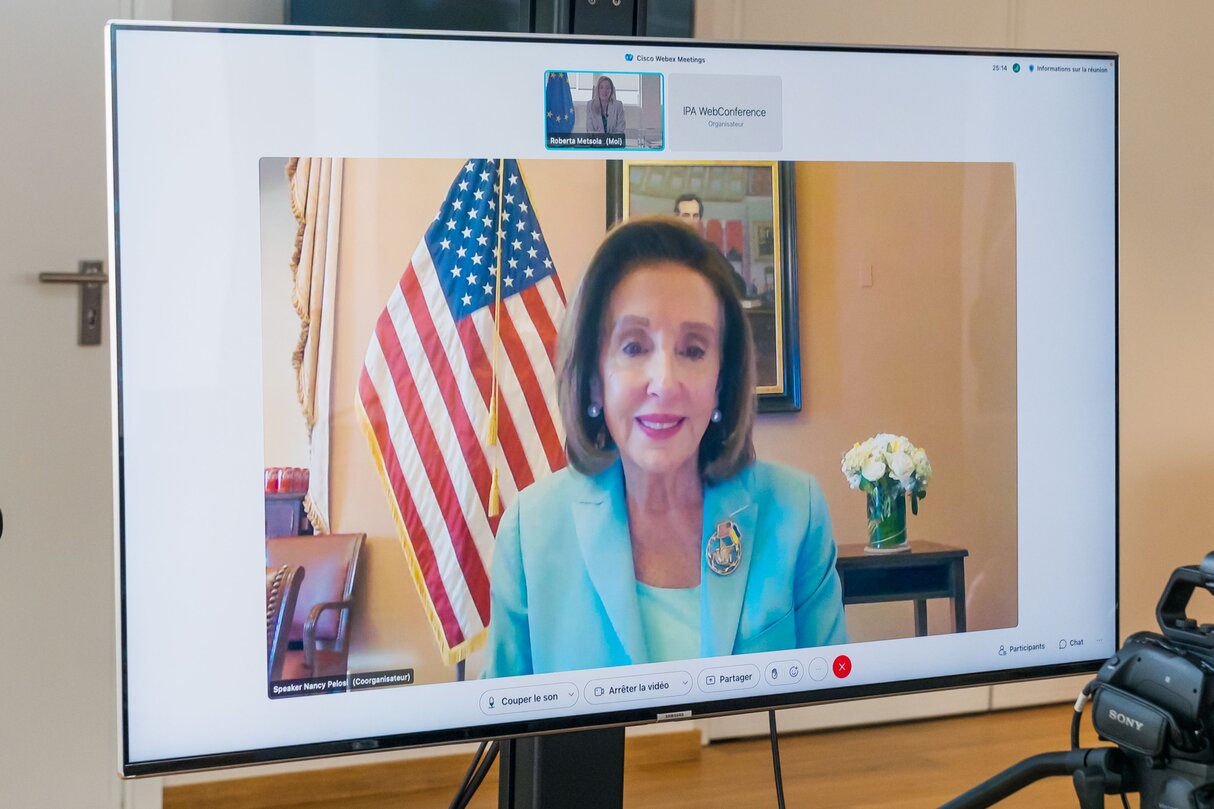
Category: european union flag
<point>559,103</point>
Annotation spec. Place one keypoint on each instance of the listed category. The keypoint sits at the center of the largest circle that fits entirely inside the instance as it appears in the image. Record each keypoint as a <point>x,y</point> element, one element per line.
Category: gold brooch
<point>724,549</point>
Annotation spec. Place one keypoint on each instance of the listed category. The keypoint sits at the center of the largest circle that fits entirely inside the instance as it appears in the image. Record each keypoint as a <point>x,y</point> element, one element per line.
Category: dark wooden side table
<point>285,515</point>
<point>927,570</point>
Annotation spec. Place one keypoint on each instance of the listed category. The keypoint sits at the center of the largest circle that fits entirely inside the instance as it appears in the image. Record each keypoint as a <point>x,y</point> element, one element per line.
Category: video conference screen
<point>473,386</point>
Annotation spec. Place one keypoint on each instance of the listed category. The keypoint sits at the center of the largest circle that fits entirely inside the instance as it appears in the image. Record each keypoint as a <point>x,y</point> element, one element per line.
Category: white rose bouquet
<point>887,467</point>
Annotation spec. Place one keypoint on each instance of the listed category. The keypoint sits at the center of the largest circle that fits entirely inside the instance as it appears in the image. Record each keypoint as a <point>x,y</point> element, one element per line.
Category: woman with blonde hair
<point>604,112</point>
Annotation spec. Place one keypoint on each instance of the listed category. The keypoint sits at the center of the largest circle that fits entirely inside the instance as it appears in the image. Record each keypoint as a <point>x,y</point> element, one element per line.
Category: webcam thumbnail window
<point>590,110</point>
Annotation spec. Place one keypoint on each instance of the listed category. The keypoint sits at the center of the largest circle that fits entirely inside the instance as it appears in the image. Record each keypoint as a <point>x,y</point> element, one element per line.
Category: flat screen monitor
<point>474,386</point>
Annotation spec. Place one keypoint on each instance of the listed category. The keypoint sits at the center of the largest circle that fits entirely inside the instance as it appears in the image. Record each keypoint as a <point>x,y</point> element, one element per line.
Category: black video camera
<point>1154,699</point>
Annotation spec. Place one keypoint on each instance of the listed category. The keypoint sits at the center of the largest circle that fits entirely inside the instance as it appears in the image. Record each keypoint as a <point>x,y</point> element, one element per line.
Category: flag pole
<point>495,496</point>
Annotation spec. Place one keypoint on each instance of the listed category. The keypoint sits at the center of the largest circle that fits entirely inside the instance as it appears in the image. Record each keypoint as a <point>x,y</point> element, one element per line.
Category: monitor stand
<point>583,768</point>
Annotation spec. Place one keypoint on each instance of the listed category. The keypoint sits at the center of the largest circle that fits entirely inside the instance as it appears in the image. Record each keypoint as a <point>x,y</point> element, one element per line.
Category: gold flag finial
<point>495,495</point>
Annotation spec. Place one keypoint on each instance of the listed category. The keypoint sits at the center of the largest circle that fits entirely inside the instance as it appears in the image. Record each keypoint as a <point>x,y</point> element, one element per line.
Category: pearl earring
<point>716,416</point>
<point>594,410</point>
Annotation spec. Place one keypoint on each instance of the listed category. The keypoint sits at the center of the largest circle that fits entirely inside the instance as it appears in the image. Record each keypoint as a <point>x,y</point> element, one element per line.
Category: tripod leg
<point>1017,777</point>
<point>1090,786</point>
<point>1096,773</point>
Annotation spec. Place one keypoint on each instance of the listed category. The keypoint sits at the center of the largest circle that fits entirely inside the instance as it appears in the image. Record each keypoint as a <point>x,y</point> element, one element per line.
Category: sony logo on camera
<point>1130,721</point>
<point>1118,716</point>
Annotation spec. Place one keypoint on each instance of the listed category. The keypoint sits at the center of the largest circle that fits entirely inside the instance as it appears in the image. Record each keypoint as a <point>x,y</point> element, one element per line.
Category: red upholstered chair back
<point>331,562</point>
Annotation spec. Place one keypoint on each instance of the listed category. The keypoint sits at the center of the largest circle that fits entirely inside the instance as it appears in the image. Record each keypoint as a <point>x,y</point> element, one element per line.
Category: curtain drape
<point>315,186</point>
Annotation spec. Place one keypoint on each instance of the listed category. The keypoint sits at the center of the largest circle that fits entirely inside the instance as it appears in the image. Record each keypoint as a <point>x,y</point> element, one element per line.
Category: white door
<point>58,734</point>
<point>58,714</point>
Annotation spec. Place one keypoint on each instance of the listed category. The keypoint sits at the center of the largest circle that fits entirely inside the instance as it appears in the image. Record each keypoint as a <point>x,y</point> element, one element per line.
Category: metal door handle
<point>73,278</point>
<point>90,277</point>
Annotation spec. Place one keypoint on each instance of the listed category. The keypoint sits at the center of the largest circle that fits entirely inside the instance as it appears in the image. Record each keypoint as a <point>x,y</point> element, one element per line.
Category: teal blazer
<point>564,590</point>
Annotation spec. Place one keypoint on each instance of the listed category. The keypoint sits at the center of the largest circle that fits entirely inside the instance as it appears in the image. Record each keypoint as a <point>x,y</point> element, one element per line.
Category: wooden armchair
<point>320,631</point>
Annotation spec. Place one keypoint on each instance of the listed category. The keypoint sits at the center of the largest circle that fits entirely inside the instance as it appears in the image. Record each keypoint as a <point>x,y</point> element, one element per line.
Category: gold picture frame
<point>747,208</point>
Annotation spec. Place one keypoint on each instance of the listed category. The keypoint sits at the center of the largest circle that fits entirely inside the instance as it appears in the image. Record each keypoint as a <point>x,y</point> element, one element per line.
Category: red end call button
<point>842,666</point>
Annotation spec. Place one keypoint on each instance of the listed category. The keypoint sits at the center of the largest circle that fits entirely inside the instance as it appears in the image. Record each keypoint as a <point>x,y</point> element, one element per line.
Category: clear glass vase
<point>887,522</point>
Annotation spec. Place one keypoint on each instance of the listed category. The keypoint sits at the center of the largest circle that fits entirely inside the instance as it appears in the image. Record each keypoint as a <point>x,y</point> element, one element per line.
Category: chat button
<point>547,697</point>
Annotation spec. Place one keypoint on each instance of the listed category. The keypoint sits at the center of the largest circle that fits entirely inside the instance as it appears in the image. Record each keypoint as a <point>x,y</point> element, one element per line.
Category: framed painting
<point>748,210</point>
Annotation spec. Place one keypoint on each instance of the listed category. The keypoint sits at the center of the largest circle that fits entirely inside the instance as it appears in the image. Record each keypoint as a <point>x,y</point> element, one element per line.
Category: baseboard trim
<point>391,778</point>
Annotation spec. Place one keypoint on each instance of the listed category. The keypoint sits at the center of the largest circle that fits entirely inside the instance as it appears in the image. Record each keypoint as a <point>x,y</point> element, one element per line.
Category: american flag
<point>426,389</point>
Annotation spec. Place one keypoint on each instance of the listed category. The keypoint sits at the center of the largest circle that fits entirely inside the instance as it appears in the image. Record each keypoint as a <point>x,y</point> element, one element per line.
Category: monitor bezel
<point>636,716</point>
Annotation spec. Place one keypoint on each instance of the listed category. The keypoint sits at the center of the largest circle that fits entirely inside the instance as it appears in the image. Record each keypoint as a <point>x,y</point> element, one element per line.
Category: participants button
<point>732,678</point>
<point>784,672</point>
<point>528,698</point>
<point>641,686</point>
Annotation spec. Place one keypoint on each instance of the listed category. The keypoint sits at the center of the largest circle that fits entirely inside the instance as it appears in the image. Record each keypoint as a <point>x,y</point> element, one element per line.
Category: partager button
<point>730,678</point>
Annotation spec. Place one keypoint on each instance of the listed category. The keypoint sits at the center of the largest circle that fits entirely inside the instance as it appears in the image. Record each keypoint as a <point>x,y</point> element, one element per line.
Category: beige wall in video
<point>907,304</point>
<point>898,355</point>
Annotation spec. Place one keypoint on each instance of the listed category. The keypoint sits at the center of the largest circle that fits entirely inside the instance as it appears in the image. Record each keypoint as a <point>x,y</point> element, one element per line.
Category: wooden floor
<point>904,766</point>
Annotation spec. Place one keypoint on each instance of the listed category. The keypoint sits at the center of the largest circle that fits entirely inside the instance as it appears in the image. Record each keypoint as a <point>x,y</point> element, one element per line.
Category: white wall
<point>266,12</point>
<point>252,11</point>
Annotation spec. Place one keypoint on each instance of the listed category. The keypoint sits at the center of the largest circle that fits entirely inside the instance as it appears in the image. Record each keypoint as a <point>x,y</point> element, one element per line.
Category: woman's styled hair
<point>596,104</point>
<point>727,446</point>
